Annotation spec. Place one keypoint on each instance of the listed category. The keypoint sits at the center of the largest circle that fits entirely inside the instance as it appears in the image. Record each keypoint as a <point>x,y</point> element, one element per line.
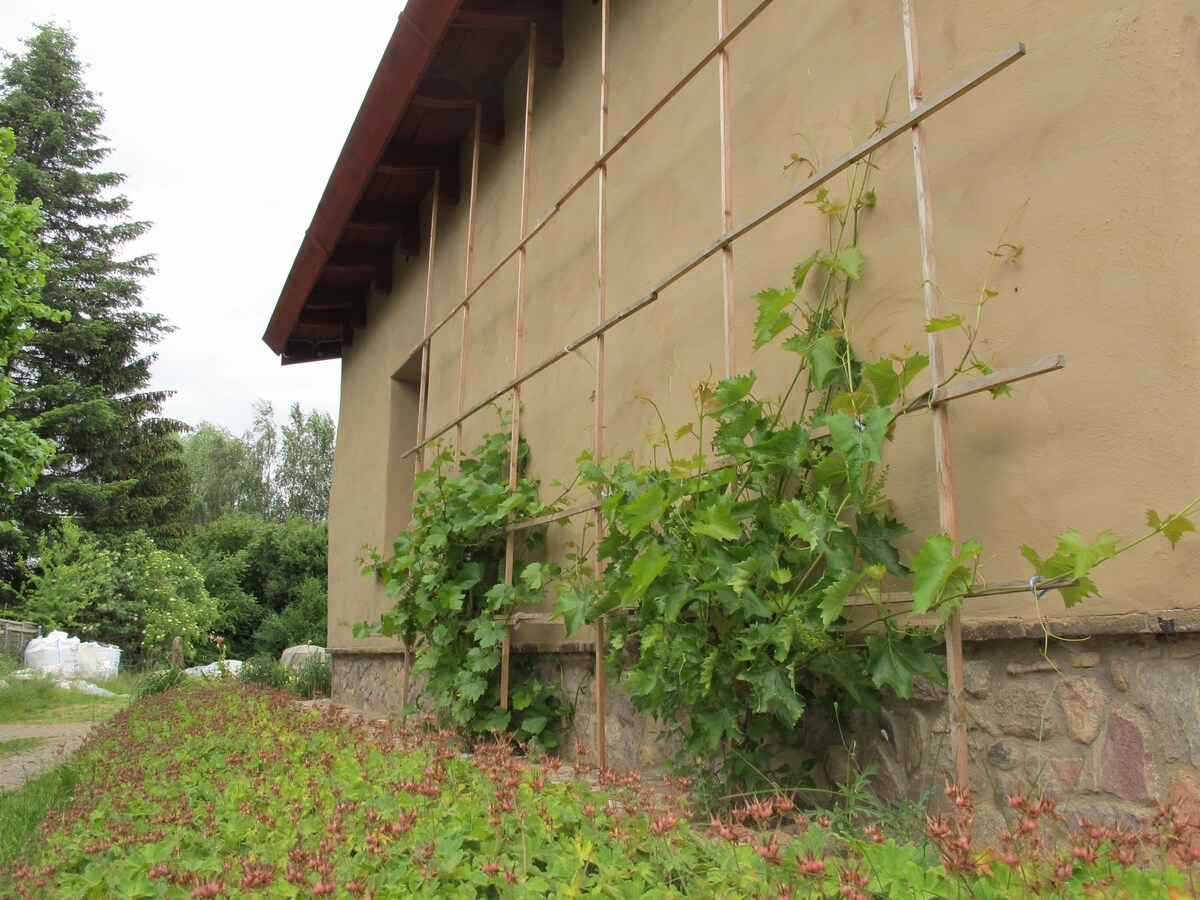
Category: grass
<point>22,811</point>
<point>18,746</point>
<point>40,700</point>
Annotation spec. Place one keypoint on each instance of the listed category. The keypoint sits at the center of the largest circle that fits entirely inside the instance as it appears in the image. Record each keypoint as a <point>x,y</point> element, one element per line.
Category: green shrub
<point>265,669</point>
<point>268,580</point>
<point>314,678</point>
<point>302,621</point>
<point>159,682</point>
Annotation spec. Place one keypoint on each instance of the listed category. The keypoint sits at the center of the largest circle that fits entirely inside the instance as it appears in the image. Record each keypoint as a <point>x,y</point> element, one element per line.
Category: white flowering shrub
<point>124,591</point>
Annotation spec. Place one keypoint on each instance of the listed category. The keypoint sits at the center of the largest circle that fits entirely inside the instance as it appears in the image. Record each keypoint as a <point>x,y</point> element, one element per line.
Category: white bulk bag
<point>55,653</point>
<point>99,660</point>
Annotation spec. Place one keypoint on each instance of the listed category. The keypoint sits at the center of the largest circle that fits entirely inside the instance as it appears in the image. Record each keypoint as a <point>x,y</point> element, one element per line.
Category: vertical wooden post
<point>426,341</point>
<point>947,511</point>
<point>518,356</point>
<point>726,187</point>
<point>466,307</point>
<point>601,305</point>
<point>423,395</point>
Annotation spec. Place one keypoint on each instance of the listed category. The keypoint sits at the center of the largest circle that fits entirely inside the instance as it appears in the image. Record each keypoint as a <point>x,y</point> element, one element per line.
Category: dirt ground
<point>60,740</point>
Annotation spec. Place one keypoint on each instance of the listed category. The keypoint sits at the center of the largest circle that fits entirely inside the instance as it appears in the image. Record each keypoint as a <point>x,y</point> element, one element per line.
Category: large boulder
<point>294,658</point>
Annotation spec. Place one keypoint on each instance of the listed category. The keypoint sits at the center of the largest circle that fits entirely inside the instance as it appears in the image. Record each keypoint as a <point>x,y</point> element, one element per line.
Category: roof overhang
<point>444,58</point>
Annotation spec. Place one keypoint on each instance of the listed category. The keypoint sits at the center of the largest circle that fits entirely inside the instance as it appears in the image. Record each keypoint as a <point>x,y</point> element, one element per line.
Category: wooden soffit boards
<point>444,57</point>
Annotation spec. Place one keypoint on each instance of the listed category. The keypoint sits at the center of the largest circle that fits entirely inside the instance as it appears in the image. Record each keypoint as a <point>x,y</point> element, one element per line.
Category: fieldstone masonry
<point>1109,726</point>
<point>368,681</point>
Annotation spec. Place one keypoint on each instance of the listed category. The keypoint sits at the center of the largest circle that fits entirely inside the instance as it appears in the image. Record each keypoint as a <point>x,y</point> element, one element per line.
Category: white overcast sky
<point>227,118</point>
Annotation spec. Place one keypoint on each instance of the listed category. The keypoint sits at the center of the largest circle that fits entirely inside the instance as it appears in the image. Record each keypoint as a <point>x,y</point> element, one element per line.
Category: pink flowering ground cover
<point>230,790</point>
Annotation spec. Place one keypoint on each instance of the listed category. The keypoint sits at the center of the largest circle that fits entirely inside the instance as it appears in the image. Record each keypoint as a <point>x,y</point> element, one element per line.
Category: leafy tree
<point>82,381</point>
<point>262,442</point>
<point>268,580</point>
<point>226,475</point>
<point>22,452</point>
<point>306,464</point>
<point>271,472</point>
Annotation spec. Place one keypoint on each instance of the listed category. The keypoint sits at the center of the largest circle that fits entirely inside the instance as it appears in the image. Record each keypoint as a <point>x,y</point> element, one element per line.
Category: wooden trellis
<point>919,109</point>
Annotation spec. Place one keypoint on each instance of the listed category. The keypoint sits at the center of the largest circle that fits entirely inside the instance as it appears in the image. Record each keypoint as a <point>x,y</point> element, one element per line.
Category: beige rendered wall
<point>1095,128</point>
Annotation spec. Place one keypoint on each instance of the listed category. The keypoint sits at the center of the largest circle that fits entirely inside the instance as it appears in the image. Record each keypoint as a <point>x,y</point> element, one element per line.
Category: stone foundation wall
<point>367,680</point>
<point>1109,726</point>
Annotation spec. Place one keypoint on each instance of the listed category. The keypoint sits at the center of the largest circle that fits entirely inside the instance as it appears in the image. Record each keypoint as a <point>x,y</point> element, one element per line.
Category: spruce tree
<point>84,382</point>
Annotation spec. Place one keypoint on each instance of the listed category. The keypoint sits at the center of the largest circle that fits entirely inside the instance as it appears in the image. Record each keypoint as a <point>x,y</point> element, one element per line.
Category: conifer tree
<point>83,382</point>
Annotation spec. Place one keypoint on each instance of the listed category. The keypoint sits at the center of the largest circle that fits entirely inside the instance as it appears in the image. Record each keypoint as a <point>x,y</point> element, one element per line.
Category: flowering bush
<point>125,591</point>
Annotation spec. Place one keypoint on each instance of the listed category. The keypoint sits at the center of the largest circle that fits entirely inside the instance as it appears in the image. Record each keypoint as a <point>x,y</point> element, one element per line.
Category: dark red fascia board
<point>419,32</point>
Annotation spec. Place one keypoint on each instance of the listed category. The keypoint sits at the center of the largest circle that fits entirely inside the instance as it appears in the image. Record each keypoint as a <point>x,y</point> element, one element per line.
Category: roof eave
<point>420,29</point>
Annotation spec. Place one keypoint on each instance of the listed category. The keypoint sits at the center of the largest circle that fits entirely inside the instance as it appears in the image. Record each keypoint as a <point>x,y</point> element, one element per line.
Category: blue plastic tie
<point>1033,583</point>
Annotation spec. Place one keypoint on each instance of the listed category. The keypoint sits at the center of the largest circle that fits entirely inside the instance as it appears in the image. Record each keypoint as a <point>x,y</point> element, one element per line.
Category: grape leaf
<point>875,538</point>
<point>943,323</point>
<point>938,569</point>
<point>826,362</point>
<point>801,270</point>
<point>649,507</point>
<point>715,520</point>
<point>833,598</point>
<point>895,658</point>
<point>773,316</point>
<point>731,390</point>
<point>1172,527</point>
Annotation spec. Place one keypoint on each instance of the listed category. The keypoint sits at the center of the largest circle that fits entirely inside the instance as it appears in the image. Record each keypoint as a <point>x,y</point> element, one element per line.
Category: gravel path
<point>60,740</point>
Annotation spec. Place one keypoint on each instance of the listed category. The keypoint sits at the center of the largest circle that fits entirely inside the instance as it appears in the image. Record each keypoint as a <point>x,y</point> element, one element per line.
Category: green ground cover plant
<point>223,789</point>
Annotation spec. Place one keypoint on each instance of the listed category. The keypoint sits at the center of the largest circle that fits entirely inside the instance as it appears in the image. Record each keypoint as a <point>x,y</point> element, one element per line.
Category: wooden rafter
<point>378,223</point>
<point>517,16</point>
<point>406,159</point>
<point>451,94</point>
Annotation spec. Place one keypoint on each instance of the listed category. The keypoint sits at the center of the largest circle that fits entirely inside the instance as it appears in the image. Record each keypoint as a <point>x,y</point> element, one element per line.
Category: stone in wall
<point>1121,672</point>
<point>977,678</point>
<point>1111,740</point>
<point>1169,693</point>
<point>1123,759</point>
<point>1083,701</point>
<point>367,681</point>
<point>1023,710</point>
